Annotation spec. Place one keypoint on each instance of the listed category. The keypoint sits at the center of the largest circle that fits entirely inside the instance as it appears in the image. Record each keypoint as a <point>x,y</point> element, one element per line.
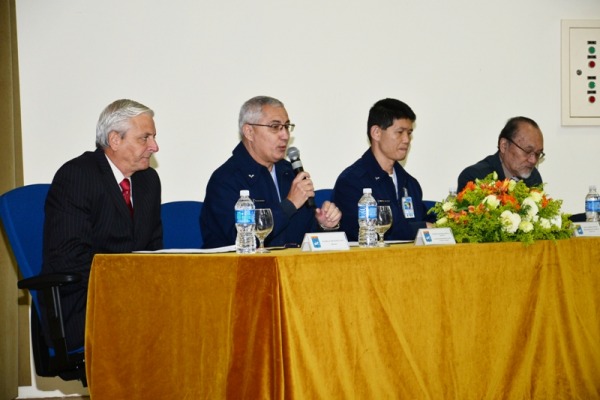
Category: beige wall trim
<point>14,352</point>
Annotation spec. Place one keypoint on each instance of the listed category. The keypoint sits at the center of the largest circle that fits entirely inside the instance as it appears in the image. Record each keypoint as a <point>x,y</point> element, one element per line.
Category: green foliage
<point>489,210</point>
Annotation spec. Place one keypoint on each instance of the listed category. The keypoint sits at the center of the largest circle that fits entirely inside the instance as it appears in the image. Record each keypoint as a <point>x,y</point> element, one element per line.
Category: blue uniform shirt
<point>366,173</point>
<point>241,171</point>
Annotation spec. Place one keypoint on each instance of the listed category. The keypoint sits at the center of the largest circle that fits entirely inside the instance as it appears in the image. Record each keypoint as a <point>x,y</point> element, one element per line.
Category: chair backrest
<point>321,195</point>
<point>181,225</point>
<point>22,214</point>
<point>581,217</point>
<point>429,204</point>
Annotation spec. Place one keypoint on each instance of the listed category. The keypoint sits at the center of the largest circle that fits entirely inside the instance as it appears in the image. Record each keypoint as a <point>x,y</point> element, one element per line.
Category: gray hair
<point>251,110</point>
<point>115,117</point>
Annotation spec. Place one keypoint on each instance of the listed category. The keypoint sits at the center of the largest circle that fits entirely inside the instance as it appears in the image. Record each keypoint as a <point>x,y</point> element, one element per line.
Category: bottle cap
<point>244,193</point>
<point>366,190</point>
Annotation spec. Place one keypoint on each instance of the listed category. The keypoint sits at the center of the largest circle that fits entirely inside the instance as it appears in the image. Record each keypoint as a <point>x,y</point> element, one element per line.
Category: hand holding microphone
<point>294,155</point>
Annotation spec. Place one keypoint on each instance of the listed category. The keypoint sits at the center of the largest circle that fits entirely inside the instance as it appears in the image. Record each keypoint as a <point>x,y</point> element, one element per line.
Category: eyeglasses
<point>277,127</point>
<point>528,154</point>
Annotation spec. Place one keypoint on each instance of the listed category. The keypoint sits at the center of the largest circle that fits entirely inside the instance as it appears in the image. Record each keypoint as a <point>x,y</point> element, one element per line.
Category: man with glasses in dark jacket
<point>258,164</point>
<point>520,149</point>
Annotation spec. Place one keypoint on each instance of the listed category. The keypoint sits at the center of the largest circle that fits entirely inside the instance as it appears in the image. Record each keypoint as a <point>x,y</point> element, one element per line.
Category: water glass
<point>264,226</point>
<point>384,222</point>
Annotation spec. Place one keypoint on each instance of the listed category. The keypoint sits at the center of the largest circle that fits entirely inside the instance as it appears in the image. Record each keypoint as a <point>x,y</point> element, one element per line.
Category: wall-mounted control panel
<point>580,70</point>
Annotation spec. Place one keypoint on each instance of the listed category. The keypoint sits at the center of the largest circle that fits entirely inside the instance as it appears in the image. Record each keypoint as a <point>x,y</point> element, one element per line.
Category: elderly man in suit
<point>106,201</point>
<point>520,149</point>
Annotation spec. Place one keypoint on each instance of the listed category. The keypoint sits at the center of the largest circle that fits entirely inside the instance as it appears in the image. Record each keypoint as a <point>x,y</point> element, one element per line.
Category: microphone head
<point>293,153</point>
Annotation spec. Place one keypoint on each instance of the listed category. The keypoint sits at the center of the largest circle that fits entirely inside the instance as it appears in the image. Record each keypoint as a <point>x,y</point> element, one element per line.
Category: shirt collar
<point>116,171</point>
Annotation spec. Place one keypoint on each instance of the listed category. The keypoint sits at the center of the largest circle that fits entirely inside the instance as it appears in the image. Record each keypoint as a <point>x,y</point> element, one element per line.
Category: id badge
<point>407,207</point>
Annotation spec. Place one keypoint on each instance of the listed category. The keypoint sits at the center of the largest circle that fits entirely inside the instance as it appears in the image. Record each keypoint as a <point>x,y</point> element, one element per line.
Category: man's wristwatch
<point>333,228</point>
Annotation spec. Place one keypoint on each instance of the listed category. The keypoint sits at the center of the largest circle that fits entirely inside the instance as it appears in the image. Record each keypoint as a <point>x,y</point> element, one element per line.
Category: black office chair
<point>181,225</point>
<point>578,217</point>
<point>22,215</point>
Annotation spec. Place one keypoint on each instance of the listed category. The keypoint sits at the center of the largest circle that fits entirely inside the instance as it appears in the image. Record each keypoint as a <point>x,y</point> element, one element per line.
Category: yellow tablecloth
<point>485,321</point>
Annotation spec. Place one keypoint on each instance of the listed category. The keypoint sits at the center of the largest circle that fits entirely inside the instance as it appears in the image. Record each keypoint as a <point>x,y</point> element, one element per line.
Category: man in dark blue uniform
<point>389,129</point>
<point>258,165</point>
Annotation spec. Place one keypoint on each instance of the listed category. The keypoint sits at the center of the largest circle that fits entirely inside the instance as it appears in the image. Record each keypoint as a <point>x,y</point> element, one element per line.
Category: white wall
<point>465,67</point>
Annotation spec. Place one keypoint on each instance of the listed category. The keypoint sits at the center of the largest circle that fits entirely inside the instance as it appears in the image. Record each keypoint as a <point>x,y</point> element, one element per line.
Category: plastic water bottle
<point>367,218</point>
<point>592,205</point>
<point>451,194</point>
<point>244,223</point>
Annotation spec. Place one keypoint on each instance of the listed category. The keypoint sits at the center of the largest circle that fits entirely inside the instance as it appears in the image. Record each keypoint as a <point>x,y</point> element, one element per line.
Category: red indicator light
<point>592,99</point>
<point>592,64</point>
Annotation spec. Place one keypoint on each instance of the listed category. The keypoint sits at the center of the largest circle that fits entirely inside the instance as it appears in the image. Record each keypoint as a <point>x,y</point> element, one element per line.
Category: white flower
<point>556,221</point>
<point>545,223</point>
<point>441,221</point>
<point>447,206</point>
<point>510,221</point>
<point>526,226</point>
<point>532,207</point>
<point>491,201</point>
<point>537,196</point>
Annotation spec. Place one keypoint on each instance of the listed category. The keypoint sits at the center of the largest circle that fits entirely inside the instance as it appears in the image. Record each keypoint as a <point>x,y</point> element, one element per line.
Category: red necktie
<point>126,188</point>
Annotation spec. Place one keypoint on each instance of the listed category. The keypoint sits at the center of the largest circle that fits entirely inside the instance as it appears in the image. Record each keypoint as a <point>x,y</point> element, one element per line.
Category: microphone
<point>294,155</point>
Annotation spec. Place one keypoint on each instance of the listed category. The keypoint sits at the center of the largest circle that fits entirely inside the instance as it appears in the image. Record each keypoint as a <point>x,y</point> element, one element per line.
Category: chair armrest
<point>578,217</point>
<point>48,280</point>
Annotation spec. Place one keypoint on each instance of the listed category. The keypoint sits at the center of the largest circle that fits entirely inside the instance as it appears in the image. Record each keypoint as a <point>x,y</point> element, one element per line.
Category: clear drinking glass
<point>384,222</point>
<point>264,225</point>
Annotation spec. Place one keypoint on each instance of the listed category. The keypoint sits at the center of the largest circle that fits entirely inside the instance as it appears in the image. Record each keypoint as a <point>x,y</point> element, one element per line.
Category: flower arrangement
<point>490,210</point>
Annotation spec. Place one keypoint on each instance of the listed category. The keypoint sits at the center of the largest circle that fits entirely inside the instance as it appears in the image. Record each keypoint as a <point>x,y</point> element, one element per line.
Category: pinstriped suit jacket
<point>86,215</point>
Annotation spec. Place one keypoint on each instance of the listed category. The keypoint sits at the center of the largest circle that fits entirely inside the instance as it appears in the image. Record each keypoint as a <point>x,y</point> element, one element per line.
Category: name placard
<point>586,229</point>
<point>434,236</point>
<point>321,241</point>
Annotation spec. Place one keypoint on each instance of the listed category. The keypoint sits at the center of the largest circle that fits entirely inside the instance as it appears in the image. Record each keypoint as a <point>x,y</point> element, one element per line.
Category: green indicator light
<point>592,85</point>
<point>592,50</point>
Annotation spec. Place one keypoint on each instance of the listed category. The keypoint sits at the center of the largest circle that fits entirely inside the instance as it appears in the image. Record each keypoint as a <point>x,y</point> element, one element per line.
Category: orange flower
<point>479,209</point>
<point>505,185</point>
<point>457,216</point>
<point>507,198</point>
<point>470,186</point>
<point>545,201</point>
